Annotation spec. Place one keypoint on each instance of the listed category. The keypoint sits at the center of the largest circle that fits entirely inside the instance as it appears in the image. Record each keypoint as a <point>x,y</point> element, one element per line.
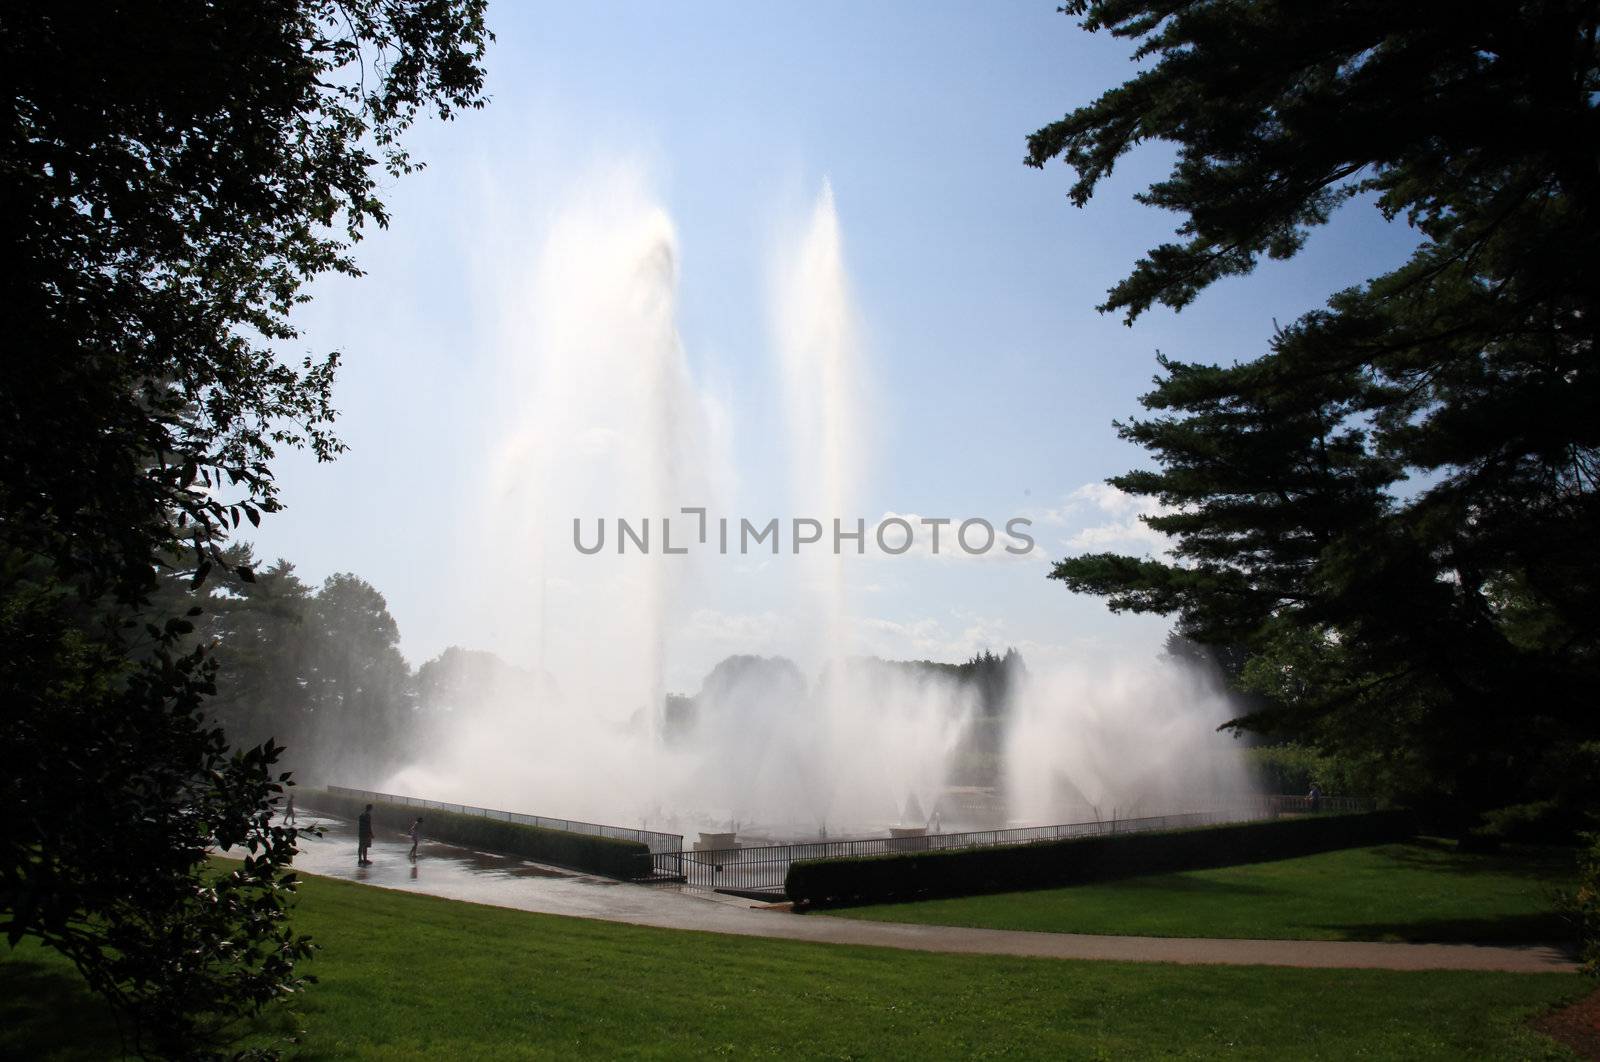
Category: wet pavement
<point>501,881</point>
<point>478,877</point>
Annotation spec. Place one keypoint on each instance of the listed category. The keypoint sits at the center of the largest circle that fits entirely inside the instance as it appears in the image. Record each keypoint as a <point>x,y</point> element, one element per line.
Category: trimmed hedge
<point>971,871</point>
<point>610,856</point>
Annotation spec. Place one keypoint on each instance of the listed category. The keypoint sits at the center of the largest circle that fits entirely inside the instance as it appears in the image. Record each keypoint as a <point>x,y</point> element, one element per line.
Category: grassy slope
<point>1425,890</point>
<point>405,976</point>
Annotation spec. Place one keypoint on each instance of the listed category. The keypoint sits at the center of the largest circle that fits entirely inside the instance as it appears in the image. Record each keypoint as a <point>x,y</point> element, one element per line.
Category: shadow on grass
<point>1544,927</point>
<point>1157,885</point>
<point>1544,863</point>
<point>46,1011</point>
<point>1185,883</point>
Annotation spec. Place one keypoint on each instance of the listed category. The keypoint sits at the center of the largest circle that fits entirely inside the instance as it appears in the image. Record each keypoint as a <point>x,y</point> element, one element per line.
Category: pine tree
<point>1394,507</point>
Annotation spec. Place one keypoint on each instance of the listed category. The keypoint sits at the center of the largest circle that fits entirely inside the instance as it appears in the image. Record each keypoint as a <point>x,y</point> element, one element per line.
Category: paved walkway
<point>460,874</point>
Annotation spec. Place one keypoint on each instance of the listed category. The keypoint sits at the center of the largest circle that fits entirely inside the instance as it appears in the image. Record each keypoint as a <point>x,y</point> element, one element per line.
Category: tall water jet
<point>601,423</point>
<point>818,343</point>
<point>819,346</point>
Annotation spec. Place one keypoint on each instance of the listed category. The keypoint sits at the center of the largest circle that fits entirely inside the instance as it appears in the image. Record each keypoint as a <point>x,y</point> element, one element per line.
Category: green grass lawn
<point>1422,891</point>
<point>407,976</point>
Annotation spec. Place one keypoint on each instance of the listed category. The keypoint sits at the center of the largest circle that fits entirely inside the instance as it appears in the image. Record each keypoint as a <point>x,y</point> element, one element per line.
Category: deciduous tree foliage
<point>1394,507</point>
<point>171,174</point>
<point>174,173</point>
<point>318,672</point>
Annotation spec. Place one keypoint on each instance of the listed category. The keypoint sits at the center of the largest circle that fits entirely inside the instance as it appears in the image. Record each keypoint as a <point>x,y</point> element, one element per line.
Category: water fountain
<point>601,417</point>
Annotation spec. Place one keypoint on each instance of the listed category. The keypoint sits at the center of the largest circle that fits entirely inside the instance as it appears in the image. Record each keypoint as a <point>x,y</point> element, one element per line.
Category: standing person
<point>416,835</point>
<point>1316,797</point>
<point>364,837</point>
<point>288,815</point>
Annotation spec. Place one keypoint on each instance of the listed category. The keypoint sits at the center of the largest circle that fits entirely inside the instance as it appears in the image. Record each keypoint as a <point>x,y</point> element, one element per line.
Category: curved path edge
<point>454,873</point>
<point>666,909</point>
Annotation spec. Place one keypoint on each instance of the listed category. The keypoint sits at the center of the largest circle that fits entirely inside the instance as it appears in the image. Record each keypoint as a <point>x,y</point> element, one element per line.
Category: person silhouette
<point>364,837</point>
<point>416,835</point>
<point>288,811</point>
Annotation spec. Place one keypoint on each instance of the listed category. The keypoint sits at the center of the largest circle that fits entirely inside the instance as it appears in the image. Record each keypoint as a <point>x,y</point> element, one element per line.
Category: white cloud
<point>929,638</point>
<point>1099,518</point>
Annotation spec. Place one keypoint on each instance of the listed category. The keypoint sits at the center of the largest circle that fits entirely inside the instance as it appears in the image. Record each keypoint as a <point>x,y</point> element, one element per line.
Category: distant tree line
<point>318,670</point>
<point>991,679</point>
<point>994,680</point>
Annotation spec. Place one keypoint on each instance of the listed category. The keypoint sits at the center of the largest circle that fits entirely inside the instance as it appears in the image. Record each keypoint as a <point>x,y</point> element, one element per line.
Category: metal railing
<point>657,842</point>
<point>760,870</point>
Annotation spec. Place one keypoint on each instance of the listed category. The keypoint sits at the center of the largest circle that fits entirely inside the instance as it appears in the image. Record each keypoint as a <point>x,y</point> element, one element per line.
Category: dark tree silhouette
<point>172,175</point>
<point>1393,508</point>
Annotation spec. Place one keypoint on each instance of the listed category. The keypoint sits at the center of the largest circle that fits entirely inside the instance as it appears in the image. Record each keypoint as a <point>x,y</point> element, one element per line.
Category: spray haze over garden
<point>1359,501</point>
<point>600,419</point>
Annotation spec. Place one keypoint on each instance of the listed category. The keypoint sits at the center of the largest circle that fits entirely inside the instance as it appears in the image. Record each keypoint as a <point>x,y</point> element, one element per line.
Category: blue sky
<point>989,381</point>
